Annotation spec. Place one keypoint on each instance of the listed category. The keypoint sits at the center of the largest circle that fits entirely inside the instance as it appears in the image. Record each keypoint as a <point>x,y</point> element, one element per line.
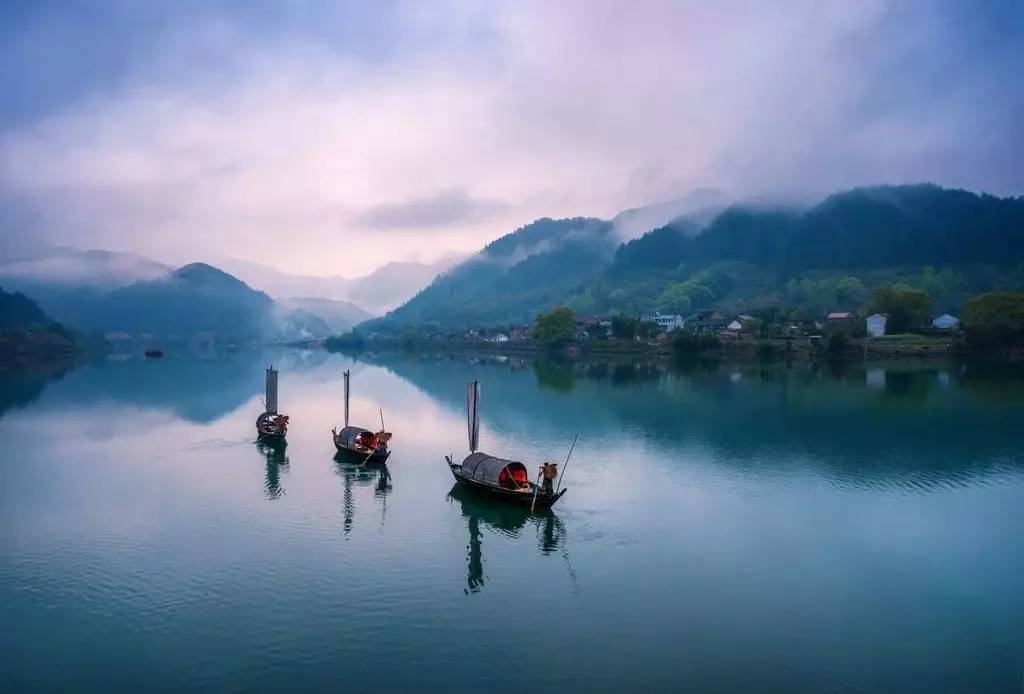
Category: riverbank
<point>887,348</point>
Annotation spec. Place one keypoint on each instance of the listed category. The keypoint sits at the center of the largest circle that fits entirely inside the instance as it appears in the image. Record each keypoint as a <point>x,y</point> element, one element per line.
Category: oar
<point>566,463</point>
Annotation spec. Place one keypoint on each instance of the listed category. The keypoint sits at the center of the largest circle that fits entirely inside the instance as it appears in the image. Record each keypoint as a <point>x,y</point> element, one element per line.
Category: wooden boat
<point>271,426</point>
<point>357,443</point>
<point>503,479</point>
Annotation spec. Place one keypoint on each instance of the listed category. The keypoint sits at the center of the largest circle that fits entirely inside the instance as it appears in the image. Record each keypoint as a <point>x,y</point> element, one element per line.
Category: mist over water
<point>727,526</point>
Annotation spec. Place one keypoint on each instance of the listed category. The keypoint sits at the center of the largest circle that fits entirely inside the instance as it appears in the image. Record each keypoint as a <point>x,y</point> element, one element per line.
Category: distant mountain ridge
<point>376,292</point>
<point>740,255</point>
<point>512,277</point>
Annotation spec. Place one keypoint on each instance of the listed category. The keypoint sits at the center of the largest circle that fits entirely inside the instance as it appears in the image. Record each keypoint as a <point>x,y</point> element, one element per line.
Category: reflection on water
<point>823,527</point>
<point>366,475</point>
<point>275,455</point>
<point>506,519</point>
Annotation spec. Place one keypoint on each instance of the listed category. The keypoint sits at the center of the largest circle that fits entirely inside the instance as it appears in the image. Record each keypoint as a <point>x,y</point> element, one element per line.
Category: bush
<point>688,343</point>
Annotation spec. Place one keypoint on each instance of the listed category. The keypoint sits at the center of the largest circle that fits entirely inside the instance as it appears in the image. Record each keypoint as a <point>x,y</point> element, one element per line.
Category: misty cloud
<point>274,132</point>
<point>444,209</point>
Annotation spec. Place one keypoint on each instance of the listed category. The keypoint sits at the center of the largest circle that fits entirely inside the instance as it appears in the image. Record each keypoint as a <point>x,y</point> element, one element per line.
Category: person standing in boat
<point>548,473</point>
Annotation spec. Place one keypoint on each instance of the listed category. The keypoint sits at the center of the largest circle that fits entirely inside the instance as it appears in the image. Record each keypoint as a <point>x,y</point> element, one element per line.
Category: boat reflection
<point>274,453</point>
<point>507,519</point>
<point>355,475</point>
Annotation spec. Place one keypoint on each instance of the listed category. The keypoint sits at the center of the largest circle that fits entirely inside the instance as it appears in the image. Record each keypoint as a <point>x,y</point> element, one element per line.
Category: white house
<point>498,337</point>
<point>946,322</point>
<point>735,326</point>
<point>876,324</point>
<point>667,321</point>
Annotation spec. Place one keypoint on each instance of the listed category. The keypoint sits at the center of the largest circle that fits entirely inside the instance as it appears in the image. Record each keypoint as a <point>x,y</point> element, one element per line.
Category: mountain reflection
<point>354,475</point>
<point>197,389</point>
<point>507,519</point>
<point>917,427</point>
<point>275,455</point>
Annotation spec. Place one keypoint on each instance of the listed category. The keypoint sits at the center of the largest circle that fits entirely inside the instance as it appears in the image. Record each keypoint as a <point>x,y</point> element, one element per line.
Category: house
<point>735,326</point>
<point>946,322</point>
<point>498,337</point>
<point>518,332</point>
<point>666,322</point>
<point>707,321</point>
<point>875,324</point>
<point>839,316</point>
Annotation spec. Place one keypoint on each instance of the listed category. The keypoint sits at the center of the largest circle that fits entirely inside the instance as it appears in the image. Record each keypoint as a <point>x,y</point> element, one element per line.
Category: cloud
<point>276,132</point>
<point>444,209</point>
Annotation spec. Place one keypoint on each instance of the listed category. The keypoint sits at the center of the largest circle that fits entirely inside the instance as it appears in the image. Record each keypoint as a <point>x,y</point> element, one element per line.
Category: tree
<point>676,299</point>
<point>906,307</point>
<point>995,319</point>
<point>557,325</point>
<point>624,327</point>
<point>850,293</point>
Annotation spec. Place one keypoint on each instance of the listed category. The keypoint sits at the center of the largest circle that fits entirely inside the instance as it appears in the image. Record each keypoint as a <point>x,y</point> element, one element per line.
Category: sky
<point>331,137</point>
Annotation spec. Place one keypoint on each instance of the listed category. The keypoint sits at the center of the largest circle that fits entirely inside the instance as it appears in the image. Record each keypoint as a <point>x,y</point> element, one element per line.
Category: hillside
<point>952,243</point>
<point>512,278</point>
<point>339,316</point>
<point>381,290</point>
<point>29,338</point>
<point>18,312</point>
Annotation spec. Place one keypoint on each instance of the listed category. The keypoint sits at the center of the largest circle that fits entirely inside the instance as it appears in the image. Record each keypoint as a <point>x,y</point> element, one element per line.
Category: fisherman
<point>548,473</point>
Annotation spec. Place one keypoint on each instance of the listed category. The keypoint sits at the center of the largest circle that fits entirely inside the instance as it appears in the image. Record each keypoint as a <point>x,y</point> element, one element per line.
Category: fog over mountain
<point>329,139</point>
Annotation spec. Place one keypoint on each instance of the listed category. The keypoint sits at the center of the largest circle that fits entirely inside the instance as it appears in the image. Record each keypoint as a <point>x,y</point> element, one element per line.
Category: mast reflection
<point>354,475</point>
<point>274,453</point>
<point>506,519</point>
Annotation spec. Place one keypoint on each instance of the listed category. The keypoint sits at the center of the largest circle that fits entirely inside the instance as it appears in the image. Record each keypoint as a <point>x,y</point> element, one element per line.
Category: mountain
<point>949,242</point>
<point>339,316</point>
<point>18,312</point>
<point>70,267</point>
<point>376,292</point>
<point>395,283</point>
<point>952,243</point>
<point>29,338</point>
<point>512,278</point>
<point>699,206</point>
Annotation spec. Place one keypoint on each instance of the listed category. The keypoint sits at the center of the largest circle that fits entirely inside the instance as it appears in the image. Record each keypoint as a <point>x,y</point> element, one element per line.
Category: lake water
<point>726,529</point>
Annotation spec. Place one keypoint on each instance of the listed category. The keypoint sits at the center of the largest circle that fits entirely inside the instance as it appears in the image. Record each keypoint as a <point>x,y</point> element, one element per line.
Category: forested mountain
<point>100,291</point>
<point>18,312</point>
<point>952,243</point>
<point>529,270</point>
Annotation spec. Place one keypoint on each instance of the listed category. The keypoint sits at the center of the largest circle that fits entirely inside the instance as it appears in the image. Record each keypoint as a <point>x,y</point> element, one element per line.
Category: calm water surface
<point>726,529</point>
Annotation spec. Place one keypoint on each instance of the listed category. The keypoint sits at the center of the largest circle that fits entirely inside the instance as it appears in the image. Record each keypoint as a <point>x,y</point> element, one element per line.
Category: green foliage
<point>907,308</point>
<point>995,308</point>
<point>624,327</point>
<point>346,342</point>
<point>837,343</point>
<point>994,320</point>
<point>557,325</point>
<point>686,343</point>
<point>18,312</point>
<point>850,293</point>
<point>676,299</point>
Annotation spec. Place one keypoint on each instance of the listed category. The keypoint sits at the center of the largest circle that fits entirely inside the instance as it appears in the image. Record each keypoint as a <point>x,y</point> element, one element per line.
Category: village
<point>838,334</point>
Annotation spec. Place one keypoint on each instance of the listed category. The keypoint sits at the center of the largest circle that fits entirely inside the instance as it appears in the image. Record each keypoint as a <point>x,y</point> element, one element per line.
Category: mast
<point>473,414</point>
<point>271,400</point>
<point>347,378</point>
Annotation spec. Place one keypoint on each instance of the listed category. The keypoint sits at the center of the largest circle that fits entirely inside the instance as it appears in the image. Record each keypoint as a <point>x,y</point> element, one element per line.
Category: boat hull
<point>543,499</point>
<point>361,456</point>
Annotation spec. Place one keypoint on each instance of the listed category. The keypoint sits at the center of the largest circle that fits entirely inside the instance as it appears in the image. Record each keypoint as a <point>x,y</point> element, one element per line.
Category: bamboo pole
<point>536,490</point>
<point>566,463</point>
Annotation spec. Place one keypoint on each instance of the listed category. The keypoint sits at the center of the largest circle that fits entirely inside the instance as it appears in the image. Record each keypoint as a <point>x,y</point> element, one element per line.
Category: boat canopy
<point>350,436</point>
<point>486,468</point>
